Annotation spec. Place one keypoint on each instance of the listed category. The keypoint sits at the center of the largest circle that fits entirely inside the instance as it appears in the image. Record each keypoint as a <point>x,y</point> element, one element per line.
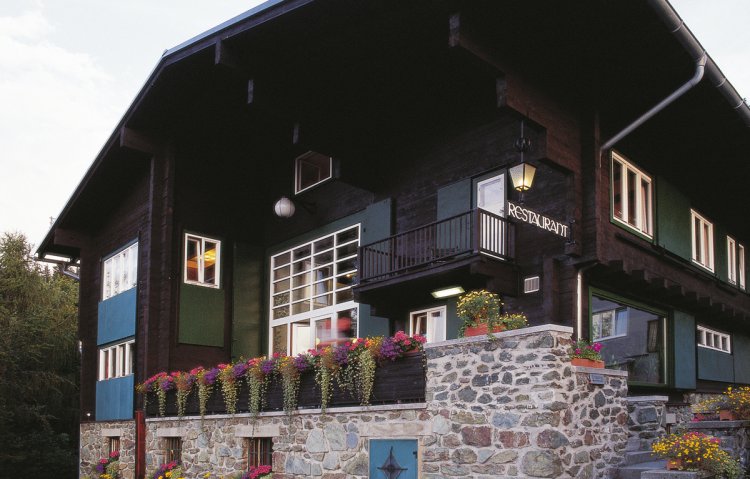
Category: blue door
<point>393,459</point>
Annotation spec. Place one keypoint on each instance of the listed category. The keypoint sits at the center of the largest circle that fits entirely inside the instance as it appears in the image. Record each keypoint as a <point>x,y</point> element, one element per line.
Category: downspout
<point>700,68</point>
<point>579,302</point>
<point>62,270</point>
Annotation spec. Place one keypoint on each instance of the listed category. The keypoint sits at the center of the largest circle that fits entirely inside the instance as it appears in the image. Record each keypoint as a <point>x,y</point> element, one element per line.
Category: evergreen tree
<point>38,366</point>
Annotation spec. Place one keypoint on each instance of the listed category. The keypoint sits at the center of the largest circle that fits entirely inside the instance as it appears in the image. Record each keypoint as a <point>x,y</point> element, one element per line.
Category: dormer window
<point>311,169</point>
<point>202,261</point>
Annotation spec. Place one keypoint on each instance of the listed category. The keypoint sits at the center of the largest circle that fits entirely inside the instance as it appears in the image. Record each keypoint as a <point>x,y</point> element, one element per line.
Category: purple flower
<point>238,370</point>
<point>266,367</point>
<point>341,355</point>
<point>100,468</point>
<point>389,349</point>
<point>210,376</point>
<point>300,362</point>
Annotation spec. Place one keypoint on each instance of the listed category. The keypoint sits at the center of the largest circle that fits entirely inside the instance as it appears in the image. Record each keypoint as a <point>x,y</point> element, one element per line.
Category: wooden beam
<point>138,141</point>
<point>72,239</point>
<point>224,56</point>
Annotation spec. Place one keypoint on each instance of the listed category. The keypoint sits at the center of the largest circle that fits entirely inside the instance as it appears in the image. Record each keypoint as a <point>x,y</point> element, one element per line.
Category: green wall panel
<point>454,199</point>
<point>715,365</point>
<point>247,306</point>
<point>720,253</point>
<point>673,219</point>
<point>741,351</point>
<point>684,351</point>
<point>201,315</point>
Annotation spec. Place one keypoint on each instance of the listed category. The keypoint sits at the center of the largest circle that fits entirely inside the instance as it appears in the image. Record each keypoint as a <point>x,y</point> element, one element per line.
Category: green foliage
<point>38,365</point>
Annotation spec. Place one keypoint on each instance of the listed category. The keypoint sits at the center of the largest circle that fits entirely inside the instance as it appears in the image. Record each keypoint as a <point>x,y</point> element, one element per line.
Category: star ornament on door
<point>391,468</point>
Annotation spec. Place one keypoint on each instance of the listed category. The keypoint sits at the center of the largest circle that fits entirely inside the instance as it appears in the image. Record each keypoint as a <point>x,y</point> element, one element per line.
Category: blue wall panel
<point>117,317</point>
<point>114,399</point>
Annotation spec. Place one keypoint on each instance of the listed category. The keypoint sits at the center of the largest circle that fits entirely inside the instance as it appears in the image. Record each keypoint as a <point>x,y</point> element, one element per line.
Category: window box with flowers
<point>586,354</point>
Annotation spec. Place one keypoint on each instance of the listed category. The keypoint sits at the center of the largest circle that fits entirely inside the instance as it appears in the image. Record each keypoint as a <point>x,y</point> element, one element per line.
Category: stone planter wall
<point>95,445</point>
<point>513,406</point>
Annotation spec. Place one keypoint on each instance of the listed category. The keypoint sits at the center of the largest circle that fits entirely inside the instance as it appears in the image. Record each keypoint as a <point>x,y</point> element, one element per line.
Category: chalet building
<point>310,171</point>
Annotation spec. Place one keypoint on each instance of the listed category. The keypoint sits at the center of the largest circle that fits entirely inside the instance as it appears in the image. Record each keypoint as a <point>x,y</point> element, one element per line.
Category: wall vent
<point>531,284</point>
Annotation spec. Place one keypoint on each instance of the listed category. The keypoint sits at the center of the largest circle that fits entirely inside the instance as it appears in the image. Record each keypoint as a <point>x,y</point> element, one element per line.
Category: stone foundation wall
<point>646,421</point>
<point>95,445</point>
<point>513,406</point>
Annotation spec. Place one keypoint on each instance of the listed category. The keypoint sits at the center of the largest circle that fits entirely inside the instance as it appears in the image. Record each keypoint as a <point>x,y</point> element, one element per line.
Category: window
<point>731,260</point>
<point>491,195</point>
<point>311,169</point>
<point>311,293</point>
<point>120,272</point>
<point>173,449</point>
<point>703,241</point>
<point>632,202</point>
<point>116,361</point>
<point>202,261</point>
<point>609,324</point>
<point>741,265</point>
<point>430,323</point>
<point>712,339</point>
<point>113,445</point>
<point>636,339</point>
<point>259,451</point>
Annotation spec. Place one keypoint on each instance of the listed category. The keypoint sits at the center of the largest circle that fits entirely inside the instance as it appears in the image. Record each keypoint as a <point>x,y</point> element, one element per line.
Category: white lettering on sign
<point>539,220</point>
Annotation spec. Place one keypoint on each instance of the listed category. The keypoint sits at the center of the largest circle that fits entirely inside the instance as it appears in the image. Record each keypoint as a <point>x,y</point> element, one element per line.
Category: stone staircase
<point>640,464</point>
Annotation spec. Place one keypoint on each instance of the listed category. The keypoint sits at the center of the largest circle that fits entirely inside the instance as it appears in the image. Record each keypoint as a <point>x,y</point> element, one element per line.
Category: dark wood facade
<point>416,101</point>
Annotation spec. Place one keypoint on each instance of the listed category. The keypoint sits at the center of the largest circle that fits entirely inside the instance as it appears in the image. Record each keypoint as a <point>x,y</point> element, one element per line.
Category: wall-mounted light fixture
<point>447,292</point>
<point>285,208</point>
<point>522,175</point>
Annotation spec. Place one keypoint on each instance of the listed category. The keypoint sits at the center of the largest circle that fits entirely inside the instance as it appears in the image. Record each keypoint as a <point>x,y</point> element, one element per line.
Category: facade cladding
<point>313,171</point>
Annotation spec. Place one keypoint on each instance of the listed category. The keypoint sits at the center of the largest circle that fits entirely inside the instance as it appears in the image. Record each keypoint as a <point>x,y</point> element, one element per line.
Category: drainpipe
<point>700,68</point>
<point>62,270</point>
<point>579,299</point>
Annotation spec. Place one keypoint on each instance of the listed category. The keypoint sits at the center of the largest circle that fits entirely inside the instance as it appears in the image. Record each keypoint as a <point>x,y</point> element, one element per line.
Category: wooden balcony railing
<point>474,232</point>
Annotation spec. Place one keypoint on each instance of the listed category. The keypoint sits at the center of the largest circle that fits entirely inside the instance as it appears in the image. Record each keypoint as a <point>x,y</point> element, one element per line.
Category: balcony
<point>467,249</point>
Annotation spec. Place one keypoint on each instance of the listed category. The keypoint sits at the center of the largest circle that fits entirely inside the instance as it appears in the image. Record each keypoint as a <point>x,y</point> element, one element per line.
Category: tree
<point>38,366</point>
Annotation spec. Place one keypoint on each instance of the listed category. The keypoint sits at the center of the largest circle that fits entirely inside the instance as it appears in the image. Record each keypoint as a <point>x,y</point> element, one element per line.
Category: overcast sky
<point>70,68</point>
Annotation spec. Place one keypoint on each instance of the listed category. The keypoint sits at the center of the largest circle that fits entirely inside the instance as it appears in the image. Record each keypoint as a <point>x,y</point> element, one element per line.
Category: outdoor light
<point>284,208</point>
<point>446,292</point>
<point>522,176</point>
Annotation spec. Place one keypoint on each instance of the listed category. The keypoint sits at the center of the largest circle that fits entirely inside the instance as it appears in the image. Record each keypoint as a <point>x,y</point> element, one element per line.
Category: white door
<point>491,195</point>
<point>430,323</point>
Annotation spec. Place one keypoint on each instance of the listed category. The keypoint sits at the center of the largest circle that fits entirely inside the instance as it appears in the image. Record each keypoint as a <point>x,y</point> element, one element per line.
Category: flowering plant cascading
<point>257,374</point>
<point>170,470</point>
<point>326,369</point>
<point>183,384</point>
<point>365,353</point>
<point>693,451</point>
<point>229,378</point>
<point>147,386</point>
<point>582,349</point>
<point>205,379</point>
<point>108,467</point>
<point>290,368</point>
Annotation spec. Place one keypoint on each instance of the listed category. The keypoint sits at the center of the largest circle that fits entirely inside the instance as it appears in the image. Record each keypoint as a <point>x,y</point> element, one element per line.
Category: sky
<point>70,69</point>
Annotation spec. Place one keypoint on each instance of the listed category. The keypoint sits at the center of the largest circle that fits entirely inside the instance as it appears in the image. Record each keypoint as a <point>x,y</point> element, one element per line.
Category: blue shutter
<point>393,458</point>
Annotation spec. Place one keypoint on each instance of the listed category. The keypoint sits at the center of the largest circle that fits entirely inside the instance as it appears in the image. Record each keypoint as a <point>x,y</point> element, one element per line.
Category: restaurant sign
<point>537,219</point>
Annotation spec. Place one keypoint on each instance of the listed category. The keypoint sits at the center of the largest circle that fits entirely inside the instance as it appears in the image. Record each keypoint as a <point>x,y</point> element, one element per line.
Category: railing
<point>473,232</point>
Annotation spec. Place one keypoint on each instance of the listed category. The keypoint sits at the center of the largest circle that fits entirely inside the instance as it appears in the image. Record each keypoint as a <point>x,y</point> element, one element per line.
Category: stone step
<point>637,457</point>
<point>664,474</point>
<point>635,471</point>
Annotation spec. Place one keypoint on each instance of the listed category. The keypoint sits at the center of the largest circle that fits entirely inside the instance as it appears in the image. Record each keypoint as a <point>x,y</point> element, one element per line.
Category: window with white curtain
<point>116,361</point>
<point>120,271</point>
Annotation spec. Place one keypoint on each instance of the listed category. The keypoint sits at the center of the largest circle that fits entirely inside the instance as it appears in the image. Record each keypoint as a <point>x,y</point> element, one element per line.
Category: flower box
<point>727,415</point>
<point>481,329</point>
<point>674,464</point>
<point>588,363</point>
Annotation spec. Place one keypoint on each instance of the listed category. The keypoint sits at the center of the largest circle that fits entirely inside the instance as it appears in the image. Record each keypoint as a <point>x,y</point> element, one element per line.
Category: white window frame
<point>297,172</point>
<point>703,253</point>
<point>614,323</point>
<point>741,265</point>
<point>329,312</point>
<point>712,339</point>
<point>643,225</point>
<point>201,264</point>
<point>120,271</point>
<point>731,260</point>
<point>116,360</point>
<point>429,328</point>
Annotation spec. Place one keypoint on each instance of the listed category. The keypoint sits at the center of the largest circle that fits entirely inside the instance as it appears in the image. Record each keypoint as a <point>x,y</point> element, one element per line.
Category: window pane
<point>210,258</point>
<point>301,280</point>
<point>281,272</point>
<point>348,235</point>
<point>617,189</point>
<point>301,252</point>
<point>281,259</point>
<point>323,258</point>
<point>279,339</point>
<point>347,250</point>
<point>322,301</point>
<point>323,244</point>
<point>645,206</point>
<point>346,324</point>
<point>323,334</point>
<point>346,265</point>
<point>343,296</point>
<point>418,324</point>
<point>281,312</point>
<point>631,186</point>
<point>300,294</point>
<point>281,286</point>
<point>280,299</point>
<point>191,259</point>
<point>345,280</point>
<point>312,168</point>
<point>301,266</point>
<point>324,272</point>
<point>301,307</point>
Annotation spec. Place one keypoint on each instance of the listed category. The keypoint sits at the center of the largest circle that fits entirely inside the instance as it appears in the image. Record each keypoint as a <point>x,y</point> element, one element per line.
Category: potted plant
<point>108,467</point>
<point>695,451</point>
<point>183,383</point>
<point>170,470</point>
<point>583,353</point>
<point>479,312</point>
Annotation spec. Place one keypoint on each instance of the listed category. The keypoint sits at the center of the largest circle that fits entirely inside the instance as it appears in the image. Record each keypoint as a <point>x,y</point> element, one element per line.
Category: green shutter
<point>720,253</point>
<point>684,351</point>
<point>201,315</point>
<point>741,352</point>
<point>454,199</point>
<point>673,220</point>
<point>247,327</point>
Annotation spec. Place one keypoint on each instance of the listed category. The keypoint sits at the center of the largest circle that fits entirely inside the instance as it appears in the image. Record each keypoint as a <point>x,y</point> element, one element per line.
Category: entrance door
<point>429,323</point>
<point>491,195</point>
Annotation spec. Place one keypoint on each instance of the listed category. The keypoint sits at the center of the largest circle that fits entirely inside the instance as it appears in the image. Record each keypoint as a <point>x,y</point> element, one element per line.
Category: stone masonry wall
<point>95,445</point>
<point>513,406</point>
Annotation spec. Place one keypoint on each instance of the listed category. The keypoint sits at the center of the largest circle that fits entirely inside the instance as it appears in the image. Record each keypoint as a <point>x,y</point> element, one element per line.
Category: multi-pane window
<point>311,292</point>
<point>116,361</point>
<point>113,445</point>
<point>703,241</point>
<point>259,451</point>
<point>632,198</point>
<point>120,272</point>
<point>609,324</point>
<point>202,261</point>
<point>311,169</point>
<point>173,449</point>
<point>712,339</point>
<point>429,323</point>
